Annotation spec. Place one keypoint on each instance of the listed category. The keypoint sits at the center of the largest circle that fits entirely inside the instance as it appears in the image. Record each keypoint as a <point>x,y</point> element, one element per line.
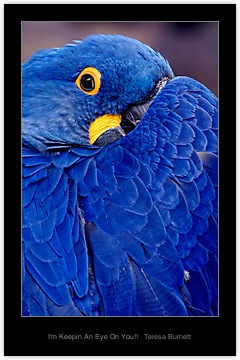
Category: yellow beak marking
<point>102,124</point>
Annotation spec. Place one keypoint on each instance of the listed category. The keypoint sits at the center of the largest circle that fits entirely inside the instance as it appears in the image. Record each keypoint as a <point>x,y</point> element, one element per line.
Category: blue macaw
<point>119,184</point>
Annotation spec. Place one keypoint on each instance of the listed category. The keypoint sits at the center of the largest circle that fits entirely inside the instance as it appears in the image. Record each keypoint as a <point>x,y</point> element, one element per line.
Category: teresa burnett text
<point>168,337</point>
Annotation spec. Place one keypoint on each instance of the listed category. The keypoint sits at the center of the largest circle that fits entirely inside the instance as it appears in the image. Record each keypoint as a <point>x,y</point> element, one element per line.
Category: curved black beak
<point>130,117</point>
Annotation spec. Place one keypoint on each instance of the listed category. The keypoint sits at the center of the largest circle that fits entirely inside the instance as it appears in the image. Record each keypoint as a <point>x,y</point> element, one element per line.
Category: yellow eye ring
<point>89,81</point>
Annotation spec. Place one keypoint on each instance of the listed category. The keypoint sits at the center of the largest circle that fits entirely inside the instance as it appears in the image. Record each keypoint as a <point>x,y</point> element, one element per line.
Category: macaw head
<point>89,93</point>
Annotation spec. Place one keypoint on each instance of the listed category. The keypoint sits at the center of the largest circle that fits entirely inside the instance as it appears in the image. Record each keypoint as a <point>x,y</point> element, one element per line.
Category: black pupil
<point>87,82</point>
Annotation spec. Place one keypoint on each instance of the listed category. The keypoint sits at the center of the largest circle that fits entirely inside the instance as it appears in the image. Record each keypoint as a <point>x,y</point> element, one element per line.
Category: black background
<point>209,335</point>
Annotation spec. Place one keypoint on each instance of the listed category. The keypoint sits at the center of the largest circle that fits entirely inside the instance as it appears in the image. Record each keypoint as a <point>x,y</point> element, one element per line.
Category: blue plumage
<point>119,184</point>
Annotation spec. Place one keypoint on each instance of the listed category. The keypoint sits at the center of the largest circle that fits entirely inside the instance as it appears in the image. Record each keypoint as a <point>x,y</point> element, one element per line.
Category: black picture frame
<point>213,336</point>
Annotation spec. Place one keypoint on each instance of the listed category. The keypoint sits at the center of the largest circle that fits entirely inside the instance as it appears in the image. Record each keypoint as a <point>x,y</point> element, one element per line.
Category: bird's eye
<point>89,81</point>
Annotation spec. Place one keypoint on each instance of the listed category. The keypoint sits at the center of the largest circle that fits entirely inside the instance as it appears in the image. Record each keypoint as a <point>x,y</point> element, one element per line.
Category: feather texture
<point>113,230</point>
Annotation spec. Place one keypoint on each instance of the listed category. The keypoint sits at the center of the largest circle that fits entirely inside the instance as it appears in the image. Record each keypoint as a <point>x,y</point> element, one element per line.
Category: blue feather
<point>181,219</point>
<point>204,210</point>
<point>117,296</point>
<point>212,271</point>
<point>119,219</point>
<point>129,166</point>
<point>153,232</point>
<point>184,151</point>
<point>209,191</point>
<point>33,159</point>
<point>66,310</point>
<point>90,304</point>
<point>200,141</point>
<point>126,194</point>
<point>170,100</point>
<point>28,171</point>
<point>64,228</point>
<point>90,178</point>
<point>181,167</point>
<point>45,188</point>
<point>146,301</point>
<point>200,296</point>
<point>28,194</point>
<point>153,298</point>
<point>200,224</point>
<point>77,228</point>
<point>47,270</point>
<point>169,198</point>
<point>59,294</point>
<point>192,98</point>
<point>210,238</point>
<point>173,126</point>
<point>215,119</point>
<point>191,193</point>
<point>204,120</point>
<point>138,251</point>
<point>208,96</point>
<point>185,243</point>
<point>70,267</point>
<point>170,150</point>
<point>143,204</point>
<point>110,258</point>
<point>197,258</point>
<point>92,208</point>
<point>35,308</point>
<point>176,119</point>
<point>187,135</point>
<point>185,109</point>
<point>43,252</point>
<point>56,244</point>
<point>206,105</point>
<point>212,141</point>
<point>106,177</point>
<point>173,235</point>
<point>145,176</point>
<point>81,283</point>
<point>201,181</point>
<point>40,175</point>
<point>43,229</point>
<point>85,152</point>
<point>72,198</point>
<point>195,168</point>
<point>64,159</point>
<point>82,188</point>
<point>170,273</point>
<point>165,215</point>
<point>60,202</point>
<point>167,249</point>
<point>210,163</point>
